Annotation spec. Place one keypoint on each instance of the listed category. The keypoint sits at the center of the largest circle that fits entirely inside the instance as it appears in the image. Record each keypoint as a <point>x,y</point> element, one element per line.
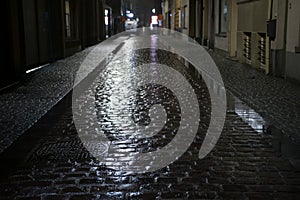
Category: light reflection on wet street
<point>145,105</point>
<point>243,165</point>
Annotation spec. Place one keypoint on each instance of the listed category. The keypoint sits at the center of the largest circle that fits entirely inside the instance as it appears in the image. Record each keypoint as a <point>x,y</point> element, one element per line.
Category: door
<point>11,53</point>
<point>199,21</point>
<point>170,19</point>
<point>42,31</point>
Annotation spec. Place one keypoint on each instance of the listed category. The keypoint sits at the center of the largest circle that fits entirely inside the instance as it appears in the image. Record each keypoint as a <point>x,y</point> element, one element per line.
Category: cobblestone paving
<point>39,92</point>
<point>277,100</point>
<point>243,165</point>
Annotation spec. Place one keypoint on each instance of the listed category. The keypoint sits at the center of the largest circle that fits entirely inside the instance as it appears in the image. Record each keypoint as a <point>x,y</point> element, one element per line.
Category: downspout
<point>212,25</point>
<point>285,35</point>
<point>268,41</point>
<point>200,24</point>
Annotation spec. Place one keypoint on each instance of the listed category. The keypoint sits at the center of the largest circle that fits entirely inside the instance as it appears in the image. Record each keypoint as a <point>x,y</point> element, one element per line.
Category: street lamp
<point>130,15</point>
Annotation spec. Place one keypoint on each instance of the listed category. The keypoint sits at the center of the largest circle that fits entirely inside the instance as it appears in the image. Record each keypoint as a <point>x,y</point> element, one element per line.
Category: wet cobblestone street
<point>50,161</point>
<point>277,100</point>
<point>243,165</point>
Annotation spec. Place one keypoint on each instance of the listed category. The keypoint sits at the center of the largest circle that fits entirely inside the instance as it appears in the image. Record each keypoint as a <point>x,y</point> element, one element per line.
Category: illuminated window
<point>106,19</point>
<point>154,20</point>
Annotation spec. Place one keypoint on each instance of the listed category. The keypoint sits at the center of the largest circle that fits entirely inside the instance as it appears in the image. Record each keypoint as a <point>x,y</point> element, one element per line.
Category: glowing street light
<point>130,15</point>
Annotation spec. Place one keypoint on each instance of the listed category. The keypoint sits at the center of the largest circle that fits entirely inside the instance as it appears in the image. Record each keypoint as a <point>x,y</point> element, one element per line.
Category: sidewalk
<point>24,105</point>
<point>275,99</point>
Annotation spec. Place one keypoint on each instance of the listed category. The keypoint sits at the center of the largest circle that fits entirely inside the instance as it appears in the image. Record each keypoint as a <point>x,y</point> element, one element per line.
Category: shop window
<point>223,17</point>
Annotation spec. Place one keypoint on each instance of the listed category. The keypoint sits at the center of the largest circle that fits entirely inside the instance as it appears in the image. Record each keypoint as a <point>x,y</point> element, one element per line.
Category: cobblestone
<point>277,100</point>
<point>243,165</point>
<point>25,104</point>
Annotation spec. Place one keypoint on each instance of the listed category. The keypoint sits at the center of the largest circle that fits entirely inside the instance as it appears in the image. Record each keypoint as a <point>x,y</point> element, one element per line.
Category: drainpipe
<point>287,3</point>
<point>200,24</point>
<point>268,41</point>
<point>212,25</point>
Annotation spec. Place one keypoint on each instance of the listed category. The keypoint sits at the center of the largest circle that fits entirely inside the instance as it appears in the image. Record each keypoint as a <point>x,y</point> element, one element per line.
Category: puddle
<point>284,145</point>
<point>248,114</point>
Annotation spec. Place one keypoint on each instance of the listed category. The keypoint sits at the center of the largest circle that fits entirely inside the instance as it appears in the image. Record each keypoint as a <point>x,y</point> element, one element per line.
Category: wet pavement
<point>39,91</point>
<point>50,161</point>
<point>275,99</point>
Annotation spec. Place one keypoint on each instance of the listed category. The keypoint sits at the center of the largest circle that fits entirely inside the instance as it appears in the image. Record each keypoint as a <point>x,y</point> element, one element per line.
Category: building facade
<point>262,33</point>
<point>34,33</point>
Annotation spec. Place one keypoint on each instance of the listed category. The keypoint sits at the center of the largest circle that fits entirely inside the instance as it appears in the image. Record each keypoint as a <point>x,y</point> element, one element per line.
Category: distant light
<point>106,21</point>
<point>153,11</point>
<point>130,15</point>
<point>137,19</point>
<point>159,23</point>
<point>154,20</point>
<point>106,12</point>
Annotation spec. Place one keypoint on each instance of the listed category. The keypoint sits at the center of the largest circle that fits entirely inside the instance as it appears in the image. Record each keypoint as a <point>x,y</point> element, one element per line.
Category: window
<point>223,17</point>
<point>68,18</point>
<point>184,17</point>
<point>106,18</point>
<point>178,19</point>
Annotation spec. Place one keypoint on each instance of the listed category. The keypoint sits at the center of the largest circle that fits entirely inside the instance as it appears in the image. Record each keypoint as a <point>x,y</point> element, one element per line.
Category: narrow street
<point>51,160</point>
